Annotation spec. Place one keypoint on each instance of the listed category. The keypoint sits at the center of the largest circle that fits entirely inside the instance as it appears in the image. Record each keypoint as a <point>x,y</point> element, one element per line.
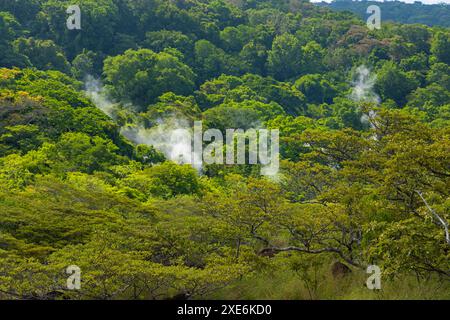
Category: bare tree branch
<point>441,220</point>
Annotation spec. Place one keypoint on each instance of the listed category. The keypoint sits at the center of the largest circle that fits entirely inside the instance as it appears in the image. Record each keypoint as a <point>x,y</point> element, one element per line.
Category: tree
<point>10,28</point>
<point>316,89</point>
<point>56,88</point>
<point>243,115</point>
<point>86,64</point>
<point>80,152</point>
<point>172,105</point>
<point>165,180</point>
<point>20,138</point>
<point>24,11</point>
<point>440,74</point>
<point>360,182</point>
<point>283,93</point>
<point>209,60</point>
<point>285,58</point>
<point>290,130</point>
<point>429,98</point>
<point>233,38</point>
<point>246,208</point>
<point>160,40</point>
<point>99,19</point>
<point>392,83</point>
<point>313,55</point>
<point>142,76</point>
<point>440,47</point>
<point>43,54</point>
<point>255,55</point>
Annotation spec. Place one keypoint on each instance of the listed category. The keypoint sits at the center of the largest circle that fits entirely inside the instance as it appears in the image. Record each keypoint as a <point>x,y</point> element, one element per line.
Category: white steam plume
<point>172,136</point>
<point>95,91</point>
<point>363,90</point>
<point>363,85</point>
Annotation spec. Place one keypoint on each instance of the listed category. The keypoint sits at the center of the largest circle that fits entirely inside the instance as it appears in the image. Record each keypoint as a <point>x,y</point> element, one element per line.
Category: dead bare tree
<point>441,220</point>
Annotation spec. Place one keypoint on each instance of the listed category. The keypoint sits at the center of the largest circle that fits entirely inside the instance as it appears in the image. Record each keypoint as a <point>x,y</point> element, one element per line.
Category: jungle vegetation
<point>357,148</point>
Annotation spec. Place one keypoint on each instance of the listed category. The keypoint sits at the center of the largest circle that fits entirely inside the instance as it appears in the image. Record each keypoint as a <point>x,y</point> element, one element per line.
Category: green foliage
<point>227,89</point>
<point>316,89</point>
<point>43,54</point>
<point>440,47</point>
<point>99,19</point>
<point>160,40</point>
<point>210,61</point>
<point>85,64</point>
<point>430,14</point>
<point>244,115</point>
<point>75,191</point>
<point>142,76</point>
<point>165,180</point>
<point>392,83</point>
<point>9,29</point>
<point>172,105</point>
<point>285,59</point>
<point>80,152</point>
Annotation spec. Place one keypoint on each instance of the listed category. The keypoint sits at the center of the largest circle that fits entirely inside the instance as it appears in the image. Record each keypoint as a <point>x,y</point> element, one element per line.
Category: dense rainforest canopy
<point>418,12</point>
<point>364,120</point>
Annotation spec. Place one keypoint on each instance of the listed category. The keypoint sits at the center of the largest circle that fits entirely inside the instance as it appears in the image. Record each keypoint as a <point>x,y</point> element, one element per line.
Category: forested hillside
<point>86,170</point>
<point>417,12</point>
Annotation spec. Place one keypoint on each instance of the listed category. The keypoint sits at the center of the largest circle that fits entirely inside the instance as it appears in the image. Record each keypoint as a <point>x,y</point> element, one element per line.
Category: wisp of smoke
<point>95,91</point>
<point>363,90</point>
<point>363,85</point>
<point>172,136</point>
